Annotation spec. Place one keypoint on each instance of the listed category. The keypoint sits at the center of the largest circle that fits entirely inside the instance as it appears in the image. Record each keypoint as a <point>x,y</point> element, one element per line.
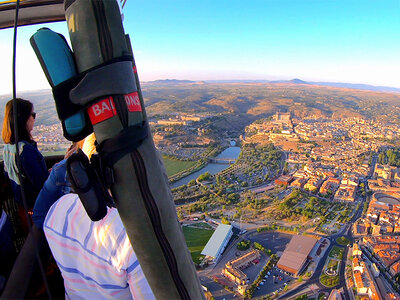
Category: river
<point>229,153</point>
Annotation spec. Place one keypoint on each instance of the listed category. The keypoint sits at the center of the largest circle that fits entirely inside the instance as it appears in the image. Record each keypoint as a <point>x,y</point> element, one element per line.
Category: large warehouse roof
<point>216,241</point>
<point>296,252</point>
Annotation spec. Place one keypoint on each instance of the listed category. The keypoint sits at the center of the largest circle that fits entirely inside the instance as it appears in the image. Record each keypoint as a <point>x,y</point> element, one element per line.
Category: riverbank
<point>197,166</point>
<point>212,168</point>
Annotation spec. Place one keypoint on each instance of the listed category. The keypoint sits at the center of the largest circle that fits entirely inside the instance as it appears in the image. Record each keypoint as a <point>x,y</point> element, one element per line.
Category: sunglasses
<point>33,115</point>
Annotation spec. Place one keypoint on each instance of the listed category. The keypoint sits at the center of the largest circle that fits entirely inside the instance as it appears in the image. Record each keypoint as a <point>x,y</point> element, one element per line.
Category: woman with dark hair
<point>34,171</point>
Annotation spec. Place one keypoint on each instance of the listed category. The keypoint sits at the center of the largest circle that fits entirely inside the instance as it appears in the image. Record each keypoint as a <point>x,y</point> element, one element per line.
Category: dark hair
<point>24,108</point>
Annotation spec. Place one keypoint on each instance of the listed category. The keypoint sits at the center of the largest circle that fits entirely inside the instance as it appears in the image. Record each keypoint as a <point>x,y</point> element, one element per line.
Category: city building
<point>299,182</point>
<point>313,184</point>
<point>346,193</point>
<point>356,250</point>
<point>335,295</point>
<point>297,254</point>
<point>329,186</point>
<point>364,280</point>
<point>283,180</point>
<point>218,242</point>
<point>233,268</point>
<point>282,118</point>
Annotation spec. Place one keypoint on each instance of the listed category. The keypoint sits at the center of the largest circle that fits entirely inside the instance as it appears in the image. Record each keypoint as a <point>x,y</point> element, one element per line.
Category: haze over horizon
<point>315,41</point>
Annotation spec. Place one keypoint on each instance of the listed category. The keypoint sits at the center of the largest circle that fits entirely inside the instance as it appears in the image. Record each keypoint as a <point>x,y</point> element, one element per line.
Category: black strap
<point>65,107</point>
<point>129,139</point>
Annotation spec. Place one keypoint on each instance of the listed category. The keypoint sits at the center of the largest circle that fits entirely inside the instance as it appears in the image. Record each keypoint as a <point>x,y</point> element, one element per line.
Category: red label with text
<point>102,110</point>
<point>133,102</point>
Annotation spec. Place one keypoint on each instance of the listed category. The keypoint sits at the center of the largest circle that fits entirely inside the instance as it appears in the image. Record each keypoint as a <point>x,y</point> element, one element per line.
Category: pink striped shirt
<point>96,258</point>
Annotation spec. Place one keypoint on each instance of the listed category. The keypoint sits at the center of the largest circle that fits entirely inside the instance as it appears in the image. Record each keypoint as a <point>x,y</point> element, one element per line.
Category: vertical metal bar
<point>16,138</point>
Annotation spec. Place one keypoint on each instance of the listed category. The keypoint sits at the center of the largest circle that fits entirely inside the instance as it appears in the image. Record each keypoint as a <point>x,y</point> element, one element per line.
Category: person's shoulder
<point>25,146</point>
<point>66,201</point>
<point>57,215</point>
<point>60,165</point>
<point>62,205</point>
<point>28,144</point>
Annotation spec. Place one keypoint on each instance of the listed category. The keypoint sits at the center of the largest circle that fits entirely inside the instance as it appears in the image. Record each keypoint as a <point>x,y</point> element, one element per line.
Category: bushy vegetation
<point>243,245</point>
<point>390,157</point>
<point>278,228</point>
<point>204,177</point>
<point>259,159</point>
<point>302,297</point>
<point>261,248</point>
<point>329,281</point>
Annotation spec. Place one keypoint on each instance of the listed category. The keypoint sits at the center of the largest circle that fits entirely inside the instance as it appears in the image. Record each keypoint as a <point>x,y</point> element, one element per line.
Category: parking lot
<point>253,270</point>
<point>275,241</point>
<point>275,282</point>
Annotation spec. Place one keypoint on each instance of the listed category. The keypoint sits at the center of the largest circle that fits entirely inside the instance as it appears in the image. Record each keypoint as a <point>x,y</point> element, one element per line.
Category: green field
<point>174,166</point>
<point>196,239</point>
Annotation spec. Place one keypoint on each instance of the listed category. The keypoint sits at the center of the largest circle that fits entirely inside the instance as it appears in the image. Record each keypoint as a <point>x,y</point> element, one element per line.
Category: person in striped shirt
<point>96,259</point>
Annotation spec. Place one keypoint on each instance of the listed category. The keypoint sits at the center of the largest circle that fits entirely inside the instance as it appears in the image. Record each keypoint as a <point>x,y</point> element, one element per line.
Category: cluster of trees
<point>345,214</point>
<point>225,220</point>
<point>250,200</point>
<point>314,208</point>
<point>302,297</point>
<point>276,227</point>
<point>259,160</point>
<point>204,177</point>
<point>261,248</point>
<point>286,206</point>
<point>390,157</point>
<point>243,245</point>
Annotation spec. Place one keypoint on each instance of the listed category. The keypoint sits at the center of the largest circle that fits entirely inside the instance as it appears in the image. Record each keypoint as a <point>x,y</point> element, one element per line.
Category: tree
<point>204,177</point>
<point>180,214</point>
<point>285,168</point>
<point>224,220</point>
<point>243,245</point>
<point>192,182</point>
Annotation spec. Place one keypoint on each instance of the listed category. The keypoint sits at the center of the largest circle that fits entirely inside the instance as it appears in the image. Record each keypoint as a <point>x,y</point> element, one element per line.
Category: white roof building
<point>218,241</point>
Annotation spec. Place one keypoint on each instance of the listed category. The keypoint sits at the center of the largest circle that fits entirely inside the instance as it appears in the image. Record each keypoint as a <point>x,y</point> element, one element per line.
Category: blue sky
<point>325,40</point>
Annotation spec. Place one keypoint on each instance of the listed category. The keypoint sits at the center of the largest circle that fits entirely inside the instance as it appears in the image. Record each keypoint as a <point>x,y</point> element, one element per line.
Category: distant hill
<point>247,101</point>
<point>43,104</point>
<point>260,99</point>
<point>294,81</point>
<point>170,82</point>
<point>356,86</point>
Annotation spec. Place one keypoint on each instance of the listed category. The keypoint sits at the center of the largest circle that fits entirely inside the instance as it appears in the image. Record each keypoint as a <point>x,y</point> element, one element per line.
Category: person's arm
<point>49,194</point>
<point>138,285</point>
<point>34,166</point>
